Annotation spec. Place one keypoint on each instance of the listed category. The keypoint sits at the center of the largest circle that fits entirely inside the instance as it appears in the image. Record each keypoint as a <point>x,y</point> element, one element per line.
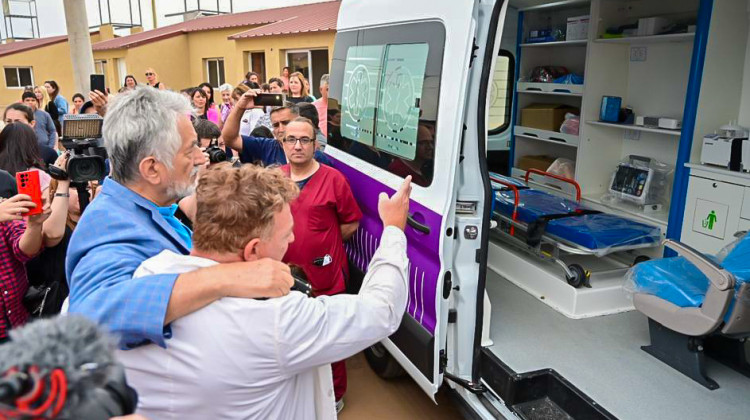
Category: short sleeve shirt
<point>322,207</point>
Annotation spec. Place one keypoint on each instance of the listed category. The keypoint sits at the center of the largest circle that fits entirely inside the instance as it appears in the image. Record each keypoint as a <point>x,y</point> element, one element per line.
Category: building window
<point>258,64</point>
<point>215,71</point>
<point>18,77</point>
<point>501,93</point>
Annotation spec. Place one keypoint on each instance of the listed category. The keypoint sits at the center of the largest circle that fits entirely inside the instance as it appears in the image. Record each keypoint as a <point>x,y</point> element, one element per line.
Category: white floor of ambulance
<point>602,357</point>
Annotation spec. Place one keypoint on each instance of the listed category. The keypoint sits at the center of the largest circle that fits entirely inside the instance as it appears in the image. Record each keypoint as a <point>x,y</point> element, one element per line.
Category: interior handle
<point>419,227</point>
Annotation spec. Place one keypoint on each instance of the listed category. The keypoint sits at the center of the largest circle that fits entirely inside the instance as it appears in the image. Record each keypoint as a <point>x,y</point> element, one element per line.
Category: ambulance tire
<point>382,363</point>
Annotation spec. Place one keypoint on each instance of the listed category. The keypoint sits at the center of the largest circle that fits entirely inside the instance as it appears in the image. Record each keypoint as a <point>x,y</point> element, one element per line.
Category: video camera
<point>82,136</point>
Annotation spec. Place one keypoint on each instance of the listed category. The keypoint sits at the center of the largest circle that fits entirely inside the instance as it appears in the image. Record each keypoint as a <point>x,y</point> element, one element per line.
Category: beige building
<point>216,49</point>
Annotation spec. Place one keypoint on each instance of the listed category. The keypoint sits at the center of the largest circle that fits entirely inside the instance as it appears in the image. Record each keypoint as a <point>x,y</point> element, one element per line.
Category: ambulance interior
<point>643,104</point>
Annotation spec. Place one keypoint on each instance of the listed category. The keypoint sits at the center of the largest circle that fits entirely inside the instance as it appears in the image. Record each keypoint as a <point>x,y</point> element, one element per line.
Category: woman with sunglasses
<point>152,79</point>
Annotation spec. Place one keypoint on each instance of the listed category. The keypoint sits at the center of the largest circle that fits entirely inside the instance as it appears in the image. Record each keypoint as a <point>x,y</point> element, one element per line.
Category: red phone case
<point>28,183</point>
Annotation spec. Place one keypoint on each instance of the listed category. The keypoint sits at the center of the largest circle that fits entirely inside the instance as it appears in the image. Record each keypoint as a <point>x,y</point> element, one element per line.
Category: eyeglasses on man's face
<point>291,140</point>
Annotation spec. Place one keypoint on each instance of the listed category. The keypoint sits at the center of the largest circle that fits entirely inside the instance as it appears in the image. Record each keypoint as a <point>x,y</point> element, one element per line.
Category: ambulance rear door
<point>396,105</point>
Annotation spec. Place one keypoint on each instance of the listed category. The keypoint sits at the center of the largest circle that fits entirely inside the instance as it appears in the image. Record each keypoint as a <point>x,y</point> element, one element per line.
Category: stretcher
<point>547,225</point>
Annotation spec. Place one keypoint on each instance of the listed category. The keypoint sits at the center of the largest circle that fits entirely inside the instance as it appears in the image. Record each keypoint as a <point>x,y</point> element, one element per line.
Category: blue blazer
<point>117,232</point>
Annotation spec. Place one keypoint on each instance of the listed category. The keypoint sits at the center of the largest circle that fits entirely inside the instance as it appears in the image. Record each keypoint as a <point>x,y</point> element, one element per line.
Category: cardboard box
<point>577,28</point>
<point>546,116</point>
<point>541,162</point>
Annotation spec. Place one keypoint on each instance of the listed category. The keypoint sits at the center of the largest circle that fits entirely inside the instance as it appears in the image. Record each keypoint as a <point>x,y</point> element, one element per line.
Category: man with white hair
<point>154,156</point>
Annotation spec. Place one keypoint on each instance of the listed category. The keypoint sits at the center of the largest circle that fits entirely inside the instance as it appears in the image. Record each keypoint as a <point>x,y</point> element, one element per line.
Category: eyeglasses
<point>149,74</point>
<point>290,140</point>
<point>278,124</point>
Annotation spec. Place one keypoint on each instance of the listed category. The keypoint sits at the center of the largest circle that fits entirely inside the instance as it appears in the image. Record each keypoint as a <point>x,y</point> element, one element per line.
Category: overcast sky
<point>52,15</point>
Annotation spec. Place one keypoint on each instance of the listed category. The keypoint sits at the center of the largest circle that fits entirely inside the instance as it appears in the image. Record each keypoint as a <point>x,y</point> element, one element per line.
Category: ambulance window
<point>501,93</point>
<point>383,97</point>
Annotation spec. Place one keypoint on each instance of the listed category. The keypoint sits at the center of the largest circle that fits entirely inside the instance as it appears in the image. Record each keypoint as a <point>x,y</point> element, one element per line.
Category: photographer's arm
<point>231,130</point>
<point>54,227</point>
<point>196,289</point>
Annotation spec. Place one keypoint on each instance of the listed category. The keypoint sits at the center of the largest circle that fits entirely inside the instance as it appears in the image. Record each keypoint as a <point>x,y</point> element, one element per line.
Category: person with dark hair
<point>19,152</point>
<point>78,101</point>
<point>43,125</point>
<point>268,151</point>
<point>309,111</point>
<point>265,88</point>
<point>55,97</point>
<point>285,77</point>
<point>209,90</point>
<point>251,77</point>
<point>261,131</point>
<point>202,109</point>
<point>130,82</point>
<point>276,85</point>
<point>20,113</point>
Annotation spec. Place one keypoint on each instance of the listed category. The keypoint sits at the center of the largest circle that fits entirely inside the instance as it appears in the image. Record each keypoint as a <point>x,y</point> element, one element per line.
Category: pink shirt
<point>213,115</point>
<point>322,107</point>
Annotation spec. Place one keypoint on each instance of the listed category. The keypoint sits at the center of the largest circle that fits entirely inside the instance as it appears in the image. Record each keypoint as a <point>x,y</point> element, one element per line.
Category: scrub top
<point>324,204</point>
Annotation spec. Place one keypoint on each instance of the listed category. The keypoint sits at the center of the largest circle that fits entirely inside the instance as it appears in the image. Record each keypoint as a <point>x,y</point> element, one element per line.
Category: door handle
<point>419,227</point>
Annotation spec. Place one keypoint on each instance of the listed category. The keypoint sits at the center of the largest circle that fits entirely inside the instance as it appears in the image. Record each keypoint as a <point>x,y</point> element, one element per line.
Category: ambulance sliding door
<point>395,108</point>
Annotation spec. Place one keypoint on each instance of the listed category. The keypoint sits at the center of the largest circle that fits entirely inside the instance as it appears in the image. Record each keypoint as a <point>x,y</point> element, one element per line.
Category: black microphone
<point>96,386</point>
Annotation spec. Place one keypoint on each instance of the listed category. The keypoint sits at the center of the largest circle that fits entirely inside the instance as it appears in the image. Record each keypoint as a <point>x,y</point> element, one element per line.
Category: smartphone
<point>270,99</point>
<point>97,83</point>
<point>28,183</point>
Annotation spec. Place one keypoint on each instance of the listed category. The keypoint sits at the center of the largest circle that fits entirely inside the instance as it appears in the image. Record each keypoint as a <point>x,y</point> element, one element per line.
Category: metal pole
<point>79,39</point>
<point>153,13</point>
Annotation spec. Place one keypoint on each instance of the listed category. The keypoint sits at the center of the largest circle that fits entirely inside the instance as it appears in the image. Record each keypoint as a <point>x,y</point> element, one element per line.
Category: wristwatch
<point>62,195</point>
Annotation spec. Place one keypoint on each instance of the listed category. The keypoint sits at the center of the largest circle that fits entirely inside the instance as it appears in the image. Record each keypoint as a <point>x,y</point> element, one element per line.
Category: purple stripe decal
<point>422,249</point>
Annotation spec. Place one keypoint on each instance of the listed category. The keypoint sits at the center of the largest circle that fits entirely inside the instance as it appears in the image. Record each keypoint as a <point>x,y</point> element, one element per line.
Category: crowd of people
<point>187,249</point>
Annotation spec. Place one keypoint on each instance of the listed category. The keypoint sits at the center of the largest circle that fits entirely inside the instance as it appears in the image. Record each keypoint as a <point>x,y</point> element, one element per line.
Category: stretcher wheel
<point>580,276</point>
<point>641,258</point>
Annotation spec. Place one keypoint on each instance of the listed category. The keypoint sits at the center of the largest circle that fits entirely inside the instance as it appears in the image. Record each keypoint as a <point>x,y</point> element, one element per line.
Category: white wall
<point>744,116</point>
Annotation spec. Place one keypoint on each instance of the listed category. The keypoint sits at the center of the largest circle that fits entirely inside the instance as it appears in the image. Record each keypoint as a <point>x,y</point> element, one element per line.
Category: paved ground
<point>370,397</point>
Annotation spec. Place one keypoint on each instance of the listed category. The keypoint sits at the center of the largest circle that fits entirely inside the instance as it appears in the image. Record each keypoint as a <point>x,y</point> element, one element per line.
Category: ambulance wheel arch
<point>389,82</point>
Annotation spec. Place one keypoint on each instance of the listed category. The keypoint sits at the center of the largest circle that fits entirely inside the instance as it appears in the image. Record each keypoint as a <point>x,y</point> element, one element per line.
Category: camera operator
<point>263,359</point>
<point>154,157</point>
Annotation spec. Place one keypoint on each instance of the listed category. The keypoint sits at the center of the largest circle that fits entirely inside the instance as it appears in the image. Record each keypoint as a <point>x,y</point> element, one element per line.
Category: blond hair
<point>45,96</point>
<point>304,92</point>
<point>237,205</point>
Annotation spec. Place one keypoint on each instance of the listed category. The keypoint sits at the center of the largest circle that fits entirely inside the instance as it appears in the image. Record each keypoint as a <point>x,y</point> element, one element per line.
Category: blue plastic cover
<point>570,79</point>
<point>678,281</point>
<point>600,232</point>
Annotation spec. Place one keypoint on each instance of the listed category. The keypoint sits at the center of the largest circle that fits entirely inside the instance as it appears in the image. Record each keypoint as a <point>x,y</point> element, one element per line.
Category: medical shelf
<point>675,133</point>
<point>546,136</point>
<point>657,218</point>
<point>550,88</point>
<point>576,43</point>
<point>652,39</point>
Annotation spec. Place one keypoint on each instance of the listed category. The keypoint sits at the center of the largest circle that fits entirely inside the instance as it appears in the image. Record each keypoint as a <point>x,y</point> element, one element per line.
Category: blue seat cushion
<point>678,281</point>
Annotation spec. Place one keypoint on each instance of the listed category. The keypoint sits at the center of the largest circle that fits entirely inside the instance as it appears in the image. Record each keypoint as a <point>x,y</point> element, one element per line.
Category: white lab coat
<point>265,359</point>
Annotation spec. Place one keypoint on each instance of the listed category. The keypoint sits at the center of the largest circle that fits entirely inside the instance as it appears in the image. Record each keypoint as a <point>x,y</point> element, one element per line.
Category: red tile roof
<point>323,18</point>
<point>29,44</point>
<point>308,17</point>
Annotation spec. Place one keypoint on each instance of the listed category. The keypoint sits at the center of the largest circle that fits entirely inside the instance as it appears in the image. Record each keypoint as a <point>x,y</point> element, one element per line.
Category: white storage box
<point>652,25</point>
<point>577,28</point>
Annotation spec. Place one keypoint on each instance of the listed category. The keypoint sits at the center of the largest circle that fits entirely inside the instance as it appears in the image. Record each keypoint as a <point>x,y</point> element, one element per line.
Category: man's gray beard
<point>177,192</point>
